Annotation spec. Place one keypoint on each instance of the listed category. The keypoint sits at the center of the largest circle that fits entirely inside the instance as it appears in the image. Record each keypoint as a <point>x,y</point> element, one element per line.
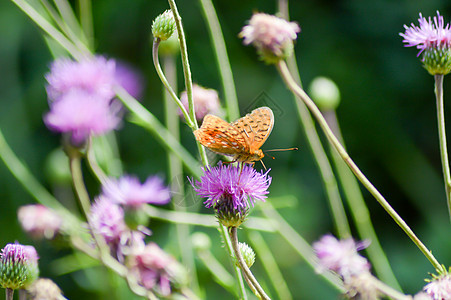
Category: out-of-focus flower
<point>164,25</point>
<point>341,256</point>
<point>157,270</point>
<point>18,266</point>
<point>39,221</point>
<point>80,114</point>
<point>231,190</point>
<point>94,75</point>
<point>439,288</point>
<point>45,289</point>
<point>325,93</point>
<point>272,36</point>
<point>206,101</point>
<point>129,191</point>
<point>433,39</point>
<point>107,220</point>
<point>129,79</point>
<point>248,254</point>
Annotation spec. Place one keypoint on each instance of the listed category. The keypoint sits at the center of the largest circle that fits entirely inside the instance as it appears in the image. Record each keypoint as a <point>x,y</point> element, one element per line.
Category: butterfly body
<point>241,139</point>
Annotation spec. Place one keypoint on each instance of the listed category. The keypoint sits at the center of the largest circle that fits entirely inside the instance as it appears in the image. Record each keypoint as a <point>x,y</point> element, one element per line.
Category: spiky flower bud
<point>325,93</point>
<point>44,289</point>
<point>228,215</point>
<point>164,25</point>
<point>18,266</point>
<point>248,254</point>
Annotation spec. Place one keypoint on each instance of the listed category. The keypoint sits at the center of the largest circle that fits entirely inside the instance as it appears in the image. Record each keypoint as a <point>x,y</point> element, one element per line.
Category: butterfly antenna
<point>288,149</point>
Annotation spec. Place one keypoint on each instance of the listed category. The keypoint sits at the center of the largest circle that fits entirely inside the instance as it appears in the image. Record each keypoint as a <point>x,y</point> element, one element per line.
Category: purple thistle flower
<point>226,182</point>
<point>206,101</point>
<point>439,288</point>
<point>107,220</point>
<point>18,266</point>
<point>80,114</point>
<point>129,191</point>
<point>433,39</point>
<point>430,34</point>
<point>95,75</point>
<point>341,256</point>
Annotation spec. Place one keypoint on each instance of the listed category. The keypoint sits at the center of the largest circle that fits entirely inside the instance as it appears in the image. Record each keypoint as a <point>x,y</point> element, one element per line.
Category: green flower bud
<point>201,241</point>
<point>57,167</point>
<point>228,215</point>
<point>437,61</point>
<point>325,93</point>
<point>134,217</point>
<point>248,254</point>
<point>164,25</point>
<point>18,266</point>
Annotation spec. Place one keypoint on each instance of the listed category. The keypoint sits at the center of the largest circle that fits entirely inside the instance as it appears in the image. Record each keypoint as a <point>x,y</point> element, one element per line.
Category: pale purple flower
<point>270,35</point>
<point>157,270</point>
<point>94,75</point>
<point>432,33</point>
<point>206,101</point>
<point>129,191</point>
<point>39,221</point>
<point>242,187</point>
<point>129,79</point>
<point>107,220</point>
<point>341,256</point>
<point>18,266</point>
<point>439,288</point>
<point>80,114</point>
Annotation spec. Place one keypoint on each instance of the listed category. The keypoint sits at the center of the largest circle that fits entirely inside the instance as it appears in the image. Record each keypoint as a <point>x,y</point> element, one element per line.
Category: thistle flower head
<point>439,288</point>
<point>272,36</point>
<point>107,220</point>
<point>164,25</point>
<point>129,191</point>
<point>433,39</point>
<point>80,114</point>
<point>241,187</point>
<point>18,266</point>
<point>94,75</point>
<point>341,256</point>
<point>39,221</point>
<point>206,101</point>
<point>157,270</point>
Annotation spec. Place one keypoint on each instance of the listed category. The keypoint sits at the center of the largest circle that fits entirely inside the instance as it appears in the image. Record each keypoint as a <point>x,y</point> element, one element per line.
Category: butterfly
<point>241,139</point>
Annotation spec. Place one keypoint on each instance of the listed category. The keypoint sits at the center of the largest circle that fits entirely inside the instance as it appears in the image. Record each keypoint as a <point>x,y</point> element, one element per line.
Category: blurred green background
<point>387,116</point>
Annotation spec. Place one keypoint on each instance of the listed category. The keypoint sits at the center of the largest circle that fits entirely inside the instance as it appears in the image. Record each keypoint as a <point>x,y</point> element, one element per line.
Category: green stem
<point>77,181</point>
<point>176,172</point>
<point>442,138</point>
<point>9,294</point>
<point>85,8</point>
<point>318,152</point>
<point>231,252</point>
<point>243,265</point>
<point>92,163</point>
<point>144,118</point>
<point>359,210</point>
<point>225,71</point>
<point>270,264</point>
<point>291,84</point>
<point>299,244</point>
<point>50,29</point>
<point>156,63</point>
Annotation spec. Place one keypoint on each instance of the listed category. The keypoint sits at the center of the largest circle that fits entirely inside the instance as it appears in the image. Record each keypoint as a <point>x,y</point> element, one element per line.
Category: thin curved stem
<point>9,294</point>
<point>291,84</point>
<point>247,272</point>
<point>225,71</point>
<point>442,138</point>
<point>156,63</point>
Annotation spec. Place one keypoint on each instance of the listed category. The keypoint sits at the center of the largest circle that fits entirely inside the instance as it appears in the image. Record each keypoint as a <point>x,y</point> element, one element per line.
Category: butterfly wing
<point>255,127</point>
<point>220,137</point>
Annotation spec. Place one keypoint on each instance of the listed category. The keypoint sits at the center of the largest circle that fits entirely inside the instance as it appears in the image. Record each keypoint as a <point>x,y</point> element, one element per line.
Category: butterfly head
<point>251,157</point>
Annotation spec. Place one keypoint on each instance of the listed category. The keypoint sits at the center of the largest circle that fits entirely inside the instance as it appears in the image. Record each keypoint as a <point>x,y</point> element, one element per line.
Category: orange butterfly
<point>241,139</point>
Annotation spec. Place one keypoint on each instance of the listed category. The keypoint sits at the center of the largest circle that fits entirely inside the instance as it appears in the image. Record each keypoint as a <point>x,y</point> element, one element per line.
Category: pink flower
<point>80,114</point>
<point>39,221</point>
<point>107,220</point>
<point>206,101</point>
<point>439,288</point>
<point>94,75</point>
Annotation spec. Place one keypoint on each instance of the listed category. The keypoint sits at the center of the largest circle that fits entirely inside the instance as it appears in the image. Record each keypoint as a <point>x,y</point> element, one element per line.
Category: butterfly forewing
<point>219,136</point>
<point>256,126</point>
